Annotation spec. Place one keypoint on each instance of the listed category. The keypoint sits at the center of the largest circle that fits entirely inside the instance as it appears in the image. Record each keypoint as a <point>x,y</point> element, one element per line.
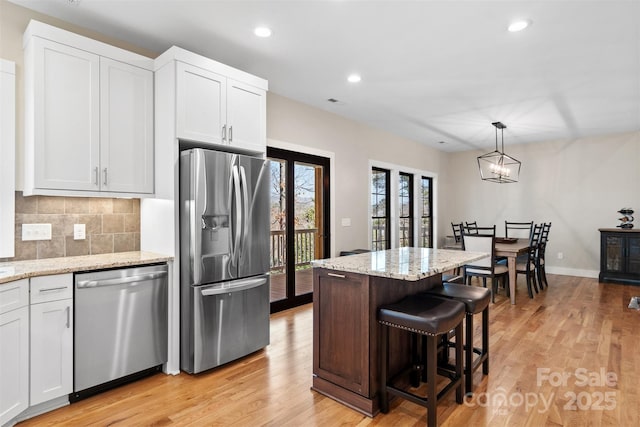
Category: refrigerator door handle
<point>239,218</point>
<point>245,195</point>
<point>199,190</point>
<point>242,285</point>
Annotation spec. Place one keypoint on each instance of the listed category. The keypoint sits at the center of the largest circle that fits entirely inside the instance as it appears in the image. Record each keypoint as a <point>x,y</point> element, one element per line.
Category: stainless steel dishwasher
<point>120,326</point>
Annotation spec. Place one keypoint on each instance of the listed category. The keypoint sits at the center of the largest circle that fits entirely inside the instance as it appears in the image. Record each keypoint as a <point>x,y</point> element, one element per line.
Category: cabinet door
<point>126,128</point>
<point>7,157</point>
<point>14,363</point>
<point>201,105</point>
<point>633,255</point>
<point>246,116</point>
<point>66,128</point>
<point>614,253</point>
<point>341,330</point>
<point>51,350</point>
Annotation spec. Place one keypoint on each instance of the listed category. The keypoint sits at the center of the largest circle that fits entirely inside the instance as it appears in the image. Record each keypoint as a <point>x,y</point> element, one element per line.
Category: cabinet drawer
<point>51,288</point>
<point>14,295</point>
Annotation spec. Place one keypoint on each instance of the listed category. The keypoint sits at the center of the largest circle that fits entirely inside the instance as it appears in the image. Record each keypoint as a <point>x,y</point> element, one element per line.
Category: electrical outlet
<point>346,222</point>
<point>36,232</point>
<point>560,255</point>
<point>79,232</point>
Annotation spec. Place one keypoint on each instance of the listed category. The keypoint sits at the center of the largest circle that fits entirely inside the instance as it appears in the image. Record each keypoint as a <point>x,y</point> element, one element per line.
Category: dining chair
<point>539,259</point>
<point>457,232</point>
<point>527,265</point>
<point>520,230</point>
<point>484,240</point>
<point>472,227</point>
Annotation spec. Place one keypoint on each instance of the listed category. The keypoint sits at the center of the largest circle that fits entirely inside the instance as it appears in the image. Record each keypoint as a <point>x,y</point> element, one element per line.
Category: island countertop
<point>401,263</point>
<point>15,270</point>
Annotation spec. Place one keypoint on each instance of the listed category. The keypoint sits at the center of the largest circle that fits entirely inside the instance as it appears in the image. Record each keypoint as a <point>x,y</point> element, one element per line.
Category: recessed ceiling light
<point>354,78</point>
<point>262,32</point>
<point>519,25</point>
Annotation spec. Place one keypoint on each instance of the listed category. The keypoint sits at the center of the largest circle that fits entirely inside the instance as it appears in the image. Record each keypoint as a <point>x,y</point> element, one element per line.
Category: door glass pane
<point>405,208</point>
<point>278,230</point>
<point>379,209</point>
<point>308,205</point>
<point>426,226</point>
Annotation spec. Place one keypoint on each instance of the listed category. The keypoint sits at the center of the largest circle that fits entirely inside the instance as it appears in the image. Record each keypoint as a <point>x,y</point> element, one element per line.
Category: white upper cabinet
<point>201,104</point>
<point>126,127</point>
<point>66,128</point>
<point>246,116</point>
<point>7,157</point>
<point>214,104</point>
<point>89,116</point>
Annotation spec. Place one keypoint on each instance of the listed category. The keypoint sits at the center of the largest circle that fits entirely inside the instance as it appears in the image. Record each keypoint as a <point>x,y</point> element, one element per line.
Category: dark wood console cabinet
<point>620,255</point>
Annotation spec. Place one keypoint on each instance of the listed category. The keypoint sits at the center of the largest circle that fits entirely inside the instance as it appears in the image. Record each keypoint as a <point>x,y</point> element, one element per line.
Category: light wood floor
<point>577,324</point>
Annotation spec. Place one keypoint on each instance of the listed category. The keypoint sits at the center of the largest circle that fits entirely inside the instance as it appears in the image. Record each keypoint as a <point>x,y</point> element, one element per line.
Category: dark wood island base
<point>345,334</point>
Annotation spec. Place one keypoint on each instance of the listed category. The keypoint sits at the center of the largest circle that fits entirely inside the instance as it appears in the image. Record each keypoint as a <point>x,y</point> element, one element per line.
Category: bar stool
<point>475,300</point>
<point>429,317</point>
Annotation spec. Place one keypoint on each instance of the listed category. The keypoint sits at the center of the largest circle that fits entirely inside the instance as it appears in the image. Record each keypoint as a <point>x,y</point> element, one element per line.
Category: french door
<point>299,224</point>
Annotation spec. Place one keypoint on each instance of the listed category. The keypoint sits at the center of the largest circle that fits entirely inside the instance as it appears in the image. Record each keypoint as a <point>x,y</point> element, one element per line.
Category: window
<point>380,208</point>
<point>403,203</point>
<point>426,212</point>
<point>405,209</point>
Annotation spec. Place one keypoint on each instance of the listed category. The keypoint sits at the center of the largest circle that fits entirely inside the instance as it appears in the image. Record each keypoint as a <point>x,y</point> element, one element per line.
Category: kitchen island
<point>347,292</point>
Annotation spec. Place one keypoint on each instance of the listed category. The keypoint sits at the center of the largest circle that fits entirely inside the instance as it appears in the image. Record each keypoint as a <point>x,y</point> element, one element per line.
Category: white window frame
<point>394,177</point>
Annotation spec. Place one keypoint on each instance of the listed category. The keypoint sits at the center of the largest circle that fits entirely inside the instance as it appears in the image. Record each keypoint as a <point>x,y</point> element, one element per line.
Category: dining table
<point>511,249</point>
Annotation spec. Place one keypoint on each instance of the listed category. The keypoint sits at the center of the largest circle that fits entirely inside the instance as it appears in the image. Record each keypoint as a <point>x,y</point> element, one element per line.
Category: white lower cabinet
<point>51,337</point>
<point>14,349</point>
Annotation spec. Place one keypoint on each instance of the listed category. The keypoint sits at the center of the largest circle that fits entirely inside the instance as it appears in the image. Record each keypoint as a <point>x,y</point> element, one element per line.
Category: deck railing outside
<point>305,248</point>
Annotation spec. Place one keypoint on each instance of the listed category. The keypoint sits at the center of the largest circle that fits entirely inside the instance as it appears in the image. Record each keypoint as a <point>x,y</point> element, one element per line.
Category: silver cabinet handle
<point>68,317</point>
<point>224,132</point>
<point>230,133</point>
<point>59,288</point>
<point>120,280</point>
<point>105,176</point>
<point>95,171</point>
<point>340,276</point>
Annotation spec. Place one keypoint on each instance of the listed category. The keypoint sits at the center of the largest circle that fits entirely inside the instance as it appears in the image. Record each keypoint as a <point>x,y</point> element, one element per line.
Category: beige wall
<point>578,185</point>
<point>353,146</point>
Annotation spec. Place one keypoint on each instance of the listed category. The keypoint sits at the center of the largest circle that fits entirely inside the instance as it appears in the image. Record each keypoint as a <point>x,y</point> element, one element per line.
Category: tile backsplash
<point>111,225</point>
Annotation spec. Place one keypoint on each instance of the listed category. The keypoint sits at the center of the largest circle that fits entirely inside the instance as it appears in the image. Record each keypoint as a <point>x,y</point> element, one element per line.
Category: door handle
<point>224,288</point>
<point>95,171</point>
<point>224,132</point>
<point>230,133</point>
<point>68,309</point>
<point>245,219</point>
<point>59,288</point>
<point>239,219</point>
<point>105,176</point>
<point>120,280</point>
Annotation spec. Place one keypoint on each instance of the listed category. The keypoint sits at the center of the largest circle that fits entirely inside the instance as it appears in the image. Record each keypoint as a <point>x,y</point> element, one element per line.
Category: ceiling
<point>437,72</point>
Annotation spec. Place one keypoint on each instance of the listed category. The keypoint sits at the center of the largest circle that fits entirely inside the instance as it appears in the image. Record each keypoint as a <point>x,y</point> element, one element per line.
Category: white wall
<point>578,185</point>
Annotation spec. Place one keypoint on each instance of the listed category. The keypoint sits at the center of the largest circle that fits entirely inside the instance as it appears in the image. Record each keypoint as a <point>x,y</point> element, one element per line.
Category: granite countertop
<point>402,263</point>
<point>15,270</point>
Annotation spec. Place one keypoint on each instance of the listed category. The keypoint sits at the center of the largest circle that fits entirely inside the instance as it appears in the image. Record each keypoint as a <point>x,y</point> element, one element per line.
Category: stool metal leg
<point>459,362</point>
<point>416,363</point>
<point>384,369</point>
<point>468,353</point>
<point>485,340</point>
<point>432,399</point>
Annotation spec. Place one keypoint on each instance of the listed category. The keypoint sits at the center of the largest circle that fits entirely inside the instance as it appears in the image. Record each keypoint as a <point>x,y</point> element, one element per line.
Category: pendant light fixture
<point>498,166</point>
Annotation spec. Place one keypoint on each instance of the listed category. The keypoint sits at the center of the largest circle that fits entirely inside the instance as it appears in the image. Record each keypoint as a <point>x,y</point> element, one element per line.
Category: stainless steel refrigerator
<point>224,257</point>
